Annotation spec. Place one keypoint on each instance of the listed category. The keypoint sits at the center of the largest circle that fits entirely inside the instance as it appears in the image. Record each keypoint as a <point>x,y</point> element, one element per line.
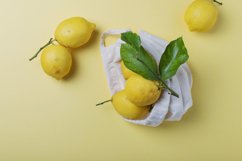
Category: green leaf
<point>139,61</point>
<point>175,55</point>
<point>132,39</point>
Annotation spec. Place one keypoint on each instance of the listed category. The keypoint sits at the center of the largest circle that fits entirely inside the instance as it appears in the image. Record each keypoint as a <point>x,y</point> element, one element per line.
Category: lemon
<point>141,91</point>
<point>74,32</point>
<point>201,15</point>
<point>126,108</point>
<point>56,61</point>
<point>126,72</point>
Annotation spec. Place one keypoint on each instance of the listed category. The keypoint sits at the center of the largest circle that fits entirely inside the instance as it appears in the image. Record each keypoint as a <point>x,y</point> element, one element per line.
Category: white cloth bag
<point>168,107</point>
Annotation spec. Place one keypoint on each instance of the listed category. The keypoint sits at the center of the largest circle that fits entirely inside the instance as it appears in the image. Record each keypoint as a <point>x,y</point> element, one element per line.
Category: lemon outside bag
<point>168,107</point>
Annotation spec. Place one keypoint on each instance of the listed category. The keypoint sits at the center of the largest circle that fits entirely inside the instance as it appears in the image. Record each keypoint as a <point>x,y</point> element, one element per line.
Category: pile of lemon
<point>136,99</point>
<point>56,58</point>
<point>139,94</point>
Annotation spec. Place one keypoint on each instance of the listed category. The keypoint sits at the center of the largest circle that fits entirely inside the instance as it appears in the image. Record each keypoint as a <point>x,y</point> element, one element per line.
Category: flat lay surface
<point>44,119</point>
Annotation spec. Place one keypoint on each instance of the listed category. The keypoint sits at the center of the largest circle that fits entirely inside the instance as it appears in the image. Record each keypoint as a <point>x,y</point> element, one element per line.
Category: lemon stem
<point>163,85</point>
<point>47,44</point>
<point>220,3</point>
<point>104,102</point>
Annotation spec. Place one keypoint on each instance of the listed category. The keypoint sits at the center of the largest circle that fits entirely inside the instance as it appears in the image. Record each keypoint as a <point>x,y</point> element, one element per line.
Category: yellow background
<point>42,119</point>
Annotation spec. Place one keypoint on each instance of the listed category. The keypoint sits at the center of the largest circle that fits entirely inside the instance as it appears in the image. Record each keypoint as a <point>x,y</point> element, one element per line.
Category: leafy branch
<point>137,59</point>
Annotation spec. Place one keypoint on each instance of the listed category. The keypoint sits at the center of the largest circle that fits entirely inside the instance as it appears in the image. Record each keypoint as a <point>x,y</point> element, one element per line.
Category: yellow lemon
<point>126,108</point>
<point>126,72</point>
<point>56,61</point>
<point>201,15</point>
<point>74,32</point>
<point>141,91</point>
